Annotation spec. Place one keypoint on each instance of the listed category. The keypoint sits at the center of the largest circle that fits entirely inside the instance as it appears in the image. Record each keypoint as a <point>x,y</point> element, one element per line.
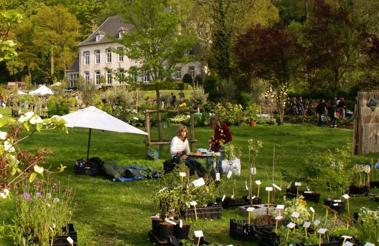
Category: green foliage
<point>41,213</point>
<point>198,98</point>
<point>187,78</point>
<point>57,106</point>
<point>368,225</point>
<point>252,111</point>
<point>230,113</point>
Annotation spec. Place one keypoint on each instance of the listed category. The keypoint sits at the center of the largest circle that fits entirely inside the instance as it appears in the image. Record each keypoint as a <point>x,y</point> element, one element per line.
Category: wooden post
<point>192,129</point>
<point>147,128</point>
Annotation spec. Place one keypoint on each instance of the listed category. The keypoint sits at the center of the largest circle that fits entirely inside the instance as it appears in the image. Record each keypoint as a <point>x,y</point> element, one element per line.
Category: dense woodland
<point>304,47</point>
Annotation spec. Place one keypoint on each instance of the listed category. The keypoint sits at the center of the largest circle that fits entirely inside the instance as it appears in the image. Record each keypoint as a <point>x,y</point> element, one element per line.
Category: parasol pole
<point>89,141</point>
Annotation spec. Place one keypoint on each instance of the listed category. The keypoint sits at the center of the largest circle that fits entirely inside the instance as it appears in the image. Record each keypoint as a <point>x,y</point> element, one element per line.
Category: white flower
<point>48,195</point>
<point>8,147</point>
<point>3,135</point>
<point>38,169</point>
<point>26,117</point>
<point>4,194</point>
<point>35,120</point>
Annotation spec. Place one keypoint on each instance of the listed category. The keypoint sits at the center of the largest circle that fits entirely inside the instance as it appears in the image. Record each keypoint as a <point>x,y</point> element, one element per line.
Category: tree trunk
<point>52,63</point>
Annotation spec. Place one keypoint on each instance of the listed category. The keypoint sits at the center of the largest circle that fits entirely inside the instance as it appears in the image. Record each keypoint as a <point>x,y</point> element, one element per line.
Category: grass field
<point>109,213</point>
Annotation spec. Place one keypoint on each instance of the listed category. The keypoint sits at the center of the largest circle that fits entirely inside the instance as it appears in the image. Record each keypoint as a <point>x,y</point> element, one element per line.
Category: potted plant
<point>361,179</point>
<point>251,114</point>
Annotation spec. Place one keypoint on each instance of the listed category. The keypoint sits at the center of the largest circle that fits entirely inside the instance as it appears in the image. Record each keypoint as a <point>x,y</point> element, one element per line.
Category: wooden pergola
<point>160,141</point>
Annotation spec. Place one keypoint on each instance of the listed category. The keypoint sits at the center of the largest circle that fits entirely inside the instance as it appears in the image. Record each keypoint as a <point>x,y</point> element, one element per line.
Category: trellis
<point>161,141</point>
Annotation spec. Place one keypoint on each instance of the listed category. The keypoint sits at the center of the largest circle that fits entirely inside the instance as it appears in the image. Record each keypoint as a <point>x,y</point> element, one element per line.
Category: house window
<point>120,54</point>
<point>97,56</point>
<point>86,57</point>
<point>109,78</point>
<point>178,73</point>
<point>191,71</point>
<point>109,55</point>
<point>98,37</point>
<point>97,77</point>
<point>72,79</point>
<point>86,76</point>
<point>146,76</point>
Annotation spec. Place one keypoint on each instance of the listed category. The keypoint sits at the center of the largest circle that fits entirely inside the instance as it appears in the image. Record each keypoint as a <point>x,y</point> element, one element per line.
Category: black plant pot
<point>358,190</point>
<point>311,196</point>
<point>69,231</point>
<point>181,233</point>
<point>165,231</point>
<point>374,184</point>
<point>337,205</point>
<point>240,230</point>
<point>155,221</point>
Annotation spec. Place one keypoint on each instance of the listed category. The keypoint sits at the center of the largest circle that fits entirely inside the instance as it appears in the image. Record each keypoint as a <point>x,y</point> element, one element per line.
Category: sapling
<point>254,146</point>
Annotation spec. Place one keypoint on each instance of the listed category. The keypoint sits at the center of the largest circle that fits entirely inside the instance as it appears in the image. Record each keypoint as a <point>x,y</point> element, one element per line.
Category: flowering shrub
<point>42,211</point>
<point>230,113</point>
<point>17,165</point>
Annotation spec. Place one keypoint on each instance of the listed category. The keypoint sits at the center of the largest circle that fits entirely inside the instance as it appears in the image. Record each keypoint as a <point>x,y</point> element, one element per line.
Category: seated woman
<point>179,149</point>
<point>222,134</point>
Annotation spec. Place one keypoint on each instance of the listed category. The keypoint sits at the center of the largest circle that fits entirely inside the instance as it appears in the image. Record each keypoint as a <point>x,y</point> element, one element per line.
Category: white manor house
<point>97,62</point>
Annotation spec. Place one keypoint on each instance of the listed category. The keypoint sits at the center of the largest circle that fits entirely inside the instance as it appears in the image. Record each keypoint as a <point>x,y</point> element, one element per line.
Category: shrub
<point>57,106</point>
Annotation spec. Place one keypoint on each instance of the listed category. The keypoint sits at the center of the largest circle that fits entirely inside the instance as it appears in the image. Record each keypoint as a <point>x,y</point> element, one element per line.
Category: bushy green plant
<point>368,225</point>
<point>251,112</point>
<point>198,98</point>
<point>232,152</point>
<point>41,214</point>
<point>57,106</point>
<point>230,113</point>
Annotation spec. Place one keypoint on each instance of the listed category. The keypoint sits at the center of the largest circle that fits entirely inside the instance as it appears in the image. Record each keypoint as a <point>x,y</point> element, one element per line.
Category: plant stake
<point>194,203</point>
<point>198,234</point>
<point>249,211</point>
<point>313,213</point>
<point>268,189</point>
<point>297,184</point>
<point>290,226</point>
<point>306,225</point>
<point>258,182</point>
<point>347,198</point>
<point>321,232</point>
<point>277,218</point>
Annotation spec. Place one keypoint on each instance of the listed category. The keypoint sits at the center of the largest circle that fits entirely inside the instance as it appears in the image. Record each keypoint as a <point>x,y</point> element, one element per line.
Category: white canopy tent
<point>94,118</point>
<point>42,91</point>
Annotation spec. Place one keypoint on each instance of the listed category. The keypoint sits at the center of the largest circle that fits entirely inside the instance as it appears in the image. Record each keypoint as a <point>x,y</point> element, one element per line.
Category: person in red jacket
<point>222,134</point>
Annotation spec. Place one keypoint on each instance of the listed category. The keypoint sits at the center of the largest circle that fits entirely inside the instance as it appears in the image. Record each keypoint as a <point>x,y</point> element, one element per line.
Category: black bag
<point>168,166</point>
<point>91,167</point>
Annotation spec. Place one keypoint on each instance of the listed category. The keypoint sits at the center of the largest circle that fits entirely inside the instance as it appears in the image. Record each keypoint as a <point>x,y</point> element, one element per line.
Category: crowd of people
<point>333,110</point>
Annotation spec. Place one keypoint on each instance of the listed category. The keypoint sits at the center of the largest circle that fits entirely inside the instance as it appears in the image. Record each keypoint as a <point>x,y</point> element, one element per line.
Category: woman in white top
<point>179,149</point>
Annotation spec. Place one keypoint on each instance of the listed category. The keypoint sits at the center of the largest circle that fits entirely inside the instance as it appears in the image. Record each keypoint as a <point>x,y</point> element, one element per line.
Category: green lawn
<point>108,213</point>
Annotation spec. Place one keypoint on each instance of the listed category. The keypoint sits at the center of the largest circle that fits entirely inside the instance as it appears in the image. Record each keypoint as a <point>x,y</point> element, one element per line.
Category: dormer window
<point>98,37</point>
<point>121,32</point>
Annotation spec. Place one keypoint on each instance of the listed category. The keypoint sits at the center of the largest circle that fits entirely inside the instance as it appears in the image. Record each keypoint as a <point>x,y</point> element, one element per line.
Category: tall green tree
<point>55,33</point>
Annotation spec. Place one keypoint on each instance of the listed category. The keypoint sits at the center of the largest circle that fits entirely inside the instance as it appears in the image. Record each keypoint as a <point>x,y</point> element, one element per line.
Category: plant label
<point>346,196</point>
<point>335,204</point>
<point>295,215</point>
<point>70,241</point>
<point>246,187</point>
<point>316,222</point>
<point>193,203</point>
<point>308,192</point>
<point>279,217</point>
<point>181,223</point>
<point>253,197</point>
<point>199,233</point>
<point>347,237</point>
<point>312,209</point>
<point>170,221</point>
<point>250,209</point>
<point>258,182</point>
<point>280,206</point>
<point>277,187</point>
<point>232,196</point>
<point>269,188</point>
<point>322,231</point>
<point>182,174</point>
<point>229,174</point>
<point>198,182</point>
<point>297,184</point>
<point>218,177</point>
<point>307,224</point>
<point>291,225</point>
<point>163,189</point>
<point>253,171</point>
<point>369,244</point>
<point>338,201</point>
<point>347,243</point>
<point>223,198</point>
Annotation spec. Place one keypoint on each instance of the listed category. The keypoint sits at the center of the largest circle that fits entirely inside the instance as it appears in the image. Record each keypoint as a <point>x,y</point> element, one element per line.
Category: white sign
<point>232,196</point>
<point>269,188</point>
<point>182,174</point>
<point>170,221</point>
<point>316,222</point>
<point>347,237</point>
<point>322,230</point>
<point>339,201</point>
<point>312,209</point>
<point>246,187</point>
<point>277,187</point>
<point>253,171</point>
<point>279,217</point>
<point>346,196</point>
<point>223,198</point>
<point>230,173</point>
<point>258,182</point>
<point>193,203</point>
<point>280,206</point>
<point>199,233</point>
<point>198,182</point>
<point>250,209</point>
<point>295,215</point>
<point>297,183</point>
<point>291,225</point>
<point>218,177</point>
<point>70,241</point>
<point>307,224</point>
<point>181,223</point>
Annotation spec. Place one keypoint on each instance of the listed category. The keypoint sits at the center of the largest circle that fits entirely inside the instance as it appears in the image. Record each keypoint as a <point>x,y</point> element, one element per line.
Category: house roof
<point>109,29</point>
<point>74,67</point>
